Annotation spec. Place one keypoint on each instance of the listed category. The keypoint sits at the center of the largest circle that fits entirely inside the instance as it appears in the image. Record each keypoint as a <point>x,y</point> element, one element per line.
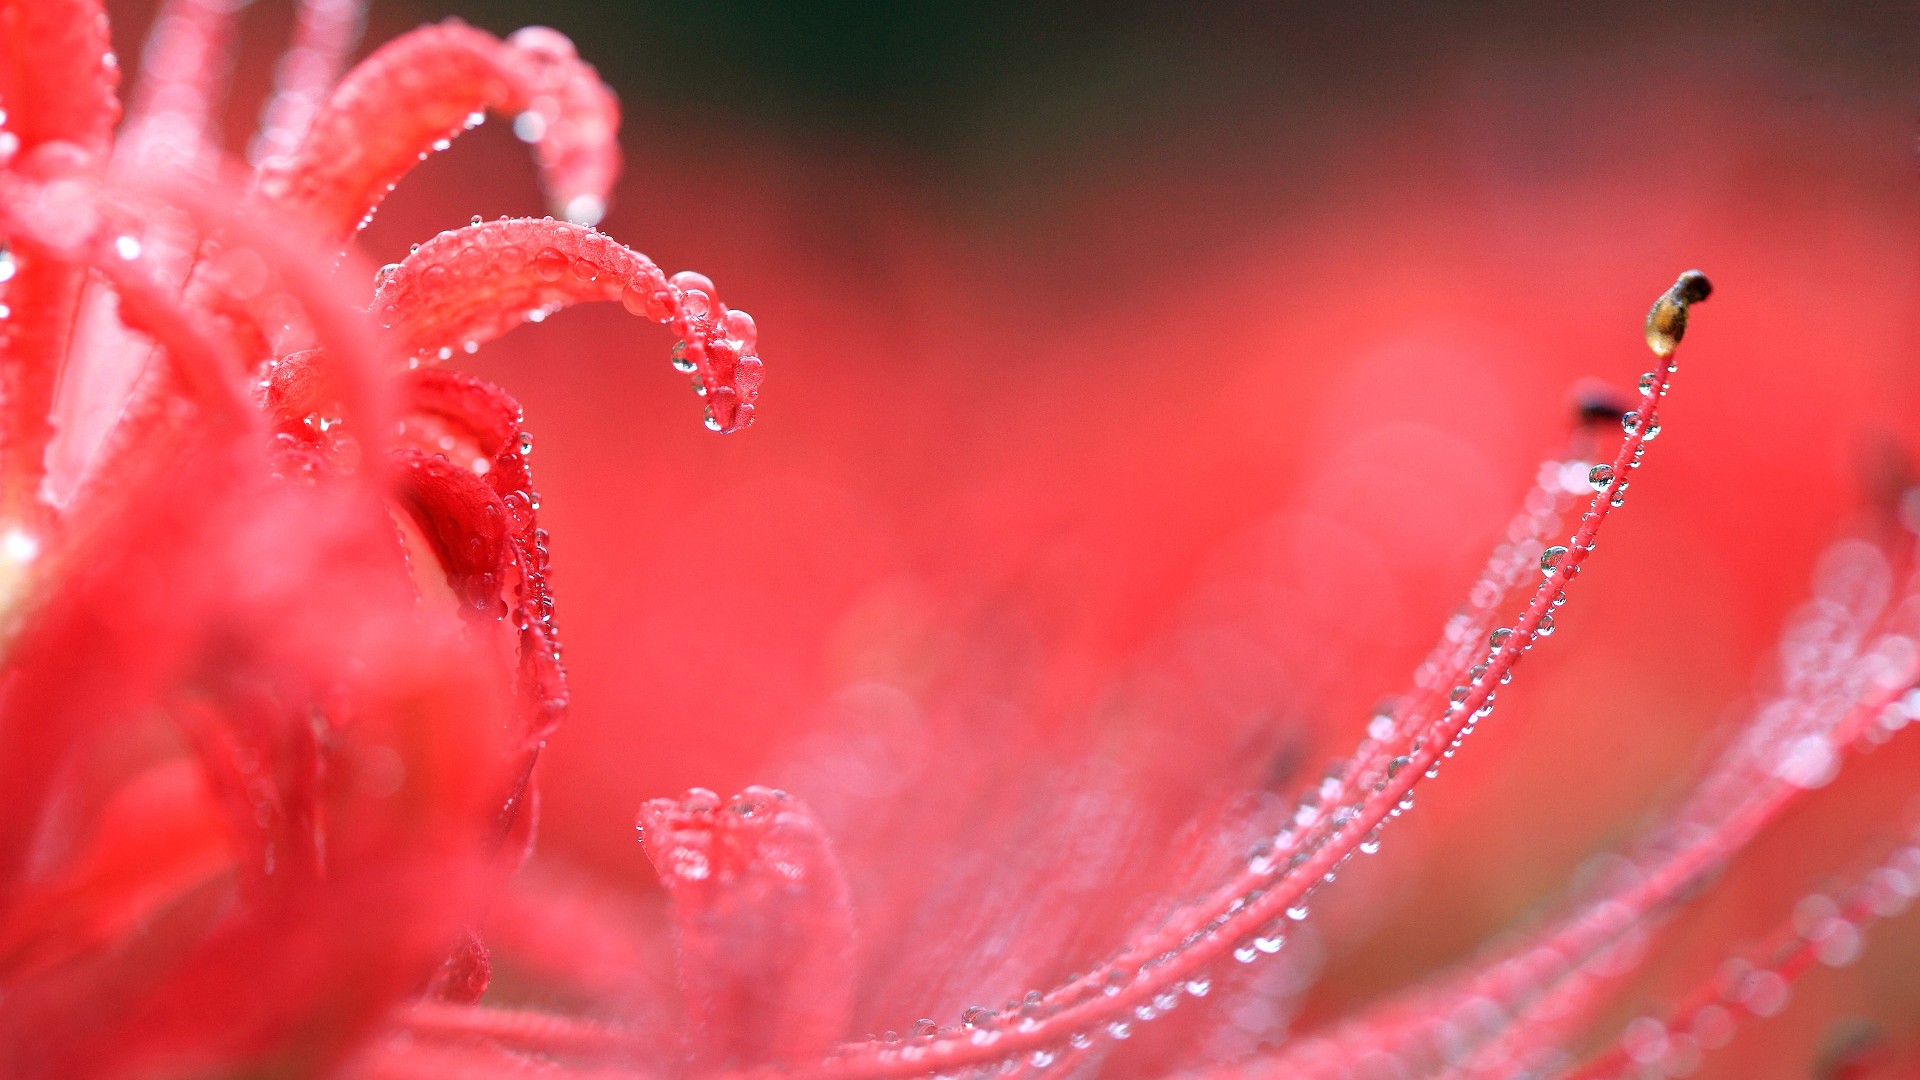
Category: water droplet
<point>1600,476</point>
<point>1630,422</point>
<point>1199,986</point>
<point>526,443</point>
<point>1550,558</point>
<point>1297,912</point>
<point>1120,1029</point>
<point>1545,626</point>
<point>549,264</point>
<point>475,219</point>
<point>925,1028</point>
<point>127,247</point>
<point>681,361</point>
<point>1498,639</point>
<point>8,265</point>
<point>977,1016</point>
<point>442,144</point>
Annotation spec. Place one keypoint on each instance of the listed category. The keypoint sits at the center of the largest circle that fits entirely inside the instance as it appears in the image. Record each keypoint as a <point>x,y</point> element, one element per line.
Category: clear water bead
<point>1600,476</point>
<point>681,361</point>
<point>1550,558</point>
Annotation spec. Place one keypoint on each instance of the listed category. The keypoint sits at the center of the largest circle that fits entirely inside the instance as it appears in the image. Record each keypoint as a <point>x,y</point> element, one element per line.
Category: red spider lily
<point>176,905</point>
<point>280,648</point>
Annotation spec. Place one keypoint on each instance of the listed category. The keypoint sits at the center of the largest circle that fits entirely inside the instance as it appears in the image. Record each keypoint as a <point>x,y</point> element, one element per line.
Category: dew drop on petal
<point>549,264</point>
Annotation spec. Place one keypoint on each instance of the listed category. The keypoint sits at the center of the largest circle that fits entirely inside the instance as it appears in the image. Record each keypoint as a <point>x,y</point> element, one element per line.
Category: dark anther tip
<point>1693,287</point>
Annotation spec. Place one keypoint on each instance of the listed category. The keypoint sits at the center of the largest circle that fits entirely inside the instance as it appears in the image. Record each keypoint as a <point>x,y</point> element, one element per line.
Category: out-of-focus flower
<point>276,744</point>
<point>280,651</point>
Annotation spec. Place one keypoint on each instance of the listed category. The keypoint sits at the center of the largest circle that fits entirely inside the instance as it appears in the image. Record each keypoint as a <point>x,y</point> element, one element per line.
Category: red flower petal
<point>421,89</point>
<point>60,79</point>
<point>468,286</point>
<point>761,920</point>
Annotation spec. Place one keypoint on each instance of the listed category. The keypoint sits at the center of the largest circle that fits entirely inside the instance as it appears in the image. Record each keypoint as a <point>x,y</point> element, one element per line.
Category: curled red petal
<point>60,81</point>
<point>159,837</point>
<point>70,222</point>
<point>761,920</point>
<point>424,88</point>
<point>468,286</point>
<point>467,525</point>
<point>494,557</point>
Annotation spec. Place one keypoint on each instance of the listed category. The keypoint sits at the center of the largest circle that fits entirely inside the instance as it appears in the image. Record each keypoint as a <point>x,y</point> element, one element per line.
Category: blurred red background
<point>1151,388</point>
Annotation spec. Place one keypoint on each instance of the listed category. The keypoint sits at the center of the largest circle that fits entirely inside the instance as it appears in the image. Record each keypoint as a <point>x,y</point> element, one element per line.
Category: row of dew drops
<point>1272,861</point>
<point>682,301</point>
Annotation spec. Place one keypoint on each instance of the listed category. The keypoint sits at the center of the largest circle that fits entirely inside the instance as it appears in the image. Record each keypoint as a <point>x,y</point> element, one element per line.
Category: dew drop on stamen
<point>1550,558</point>
<point>681,361</point>
<point>1600,476</point>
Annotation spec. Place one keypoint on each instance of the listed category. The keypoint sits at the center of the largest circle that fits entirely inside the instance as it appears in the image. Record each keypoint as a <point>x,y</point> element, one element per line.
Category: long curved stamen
<point>1272,890</point>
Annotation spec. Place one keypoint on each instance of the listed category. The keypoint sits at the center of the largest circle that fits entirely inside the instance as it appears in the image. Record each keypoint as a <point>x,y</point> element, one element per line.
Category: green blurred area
<point>936,76</point>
